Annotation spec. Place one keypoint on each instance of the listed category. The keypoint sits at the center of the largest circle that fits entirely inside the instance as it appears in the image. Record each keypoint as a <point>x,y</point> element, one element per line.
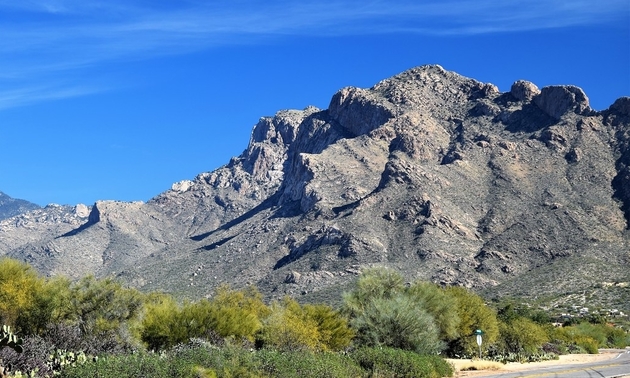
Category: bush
<point>306,365</point>
<point>235,314</point>
<point>589,344</point>
<point>396,363</point>
<point>229,361</point>
<point>158,327</point>
<point>200,360</point>
<point>289,328</point>
<point>384,313</point>
<point>605,335</point>
<point>19,285</point>
<point>105,309</point>
<point>103,305</point>
<point>618,338</point>
<point>292,327</point>
<point>521,335</point>
<point>375,283</point>
<point>50,305</point>
<point>442,306</point>
<point>473,314</point>
<point>399,323</point>
<point>509,309</point>
<point>334,330</point>
<point>587,337</point>
<point>141,365</point>
<point>71,337</point>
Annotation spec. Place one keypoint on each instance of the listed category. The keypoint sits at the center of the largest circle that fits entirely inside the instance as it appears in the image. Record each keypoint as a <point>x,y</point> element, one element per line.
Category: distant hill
<point>444,178</point>
<point>10,207</point>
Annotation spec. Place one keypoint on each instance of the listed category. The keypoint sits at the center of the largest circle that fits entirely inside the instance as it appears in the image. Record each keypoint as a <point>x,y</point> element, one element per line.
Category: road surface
<point>617,367</point>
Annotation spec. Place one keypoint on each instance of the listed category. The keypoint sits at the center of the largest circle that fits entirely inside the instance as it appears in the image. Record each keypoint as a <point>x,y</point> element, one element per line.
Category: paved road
<point>615,368</point>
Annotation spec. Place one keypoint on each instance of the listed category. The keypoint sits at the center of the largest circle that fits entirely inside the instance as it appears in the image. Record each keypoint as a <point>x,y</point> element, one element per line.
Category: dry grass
<point>468,365</point>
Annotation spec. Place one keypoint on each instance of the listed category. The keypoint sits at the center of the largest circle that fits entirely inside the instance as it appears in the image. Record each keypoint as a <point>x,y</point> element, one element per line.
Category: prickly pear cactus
<point>62,358</point>
<point>9,339</point>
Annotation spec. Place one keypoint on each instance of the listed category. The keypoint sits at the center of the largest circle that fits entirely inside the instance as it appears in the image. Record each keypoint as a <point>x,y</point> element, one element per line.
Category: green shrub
<point>587,343</point>
<point>306,365</point>
<point>158,323</point>
<point>587,337</point>
<point>237,313</point>
<point>289,328</point>
<point>396,363</point>
<point>605,335</point>
<point>139,365</point>
<point>510,309</point>
<point>473,314</point>
<point>439,304</point>
<point>198,360</point>
<point>184,363</point>
<point>19,286</point>
<point>51,305</point>
<point>384,313</point>
<point>618,338</point>
<point>521,335</point>
<point>334,330</point>
<point>375,283</point>
<point>397,322</point>
<point>104,308</point>
<point>228,361</point>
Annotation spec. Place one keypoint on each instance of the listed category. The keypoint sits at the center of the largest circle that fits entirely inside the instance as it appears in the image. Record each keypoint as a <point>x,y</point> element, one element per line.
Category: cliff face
<point>440,176</point>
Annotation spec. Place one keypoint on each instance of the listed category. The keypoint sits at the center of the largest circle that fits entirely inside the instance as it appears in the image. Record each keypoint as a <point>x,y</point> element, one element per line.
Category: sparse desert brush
<point>467,365</point>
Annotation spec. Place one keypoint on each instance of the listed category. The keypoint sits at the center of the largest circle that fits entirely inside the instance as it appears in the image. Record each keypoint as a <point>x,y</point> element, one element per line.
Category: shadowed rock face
<point>437,175</point>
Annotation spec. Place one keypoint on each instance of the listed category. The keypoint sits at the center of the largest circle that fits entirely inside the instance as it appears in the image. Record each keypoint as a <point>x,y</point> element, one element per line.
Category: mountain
<point>10,207</point>
<point>39,226</point>
<point>440,176</point>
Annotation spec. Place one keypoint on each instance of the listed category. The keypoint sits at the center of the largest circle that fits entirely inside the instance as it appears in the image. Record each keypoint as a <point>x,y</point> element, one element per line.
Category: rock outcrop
<point>437,175</point>
<point>524,90</point>
<point>557,100</point>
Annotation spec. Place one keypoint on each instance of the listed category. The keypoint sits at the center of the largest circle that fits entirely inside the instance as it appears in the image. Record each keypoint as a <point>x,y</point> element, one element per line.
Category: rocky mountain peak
<point>440,176</point>
<point>621,106</point>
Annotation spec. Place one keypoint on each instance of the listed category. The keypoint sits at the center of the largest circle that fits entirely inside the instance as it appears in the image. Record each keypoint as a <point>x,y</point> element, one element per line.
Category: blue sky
<point>119,99</point>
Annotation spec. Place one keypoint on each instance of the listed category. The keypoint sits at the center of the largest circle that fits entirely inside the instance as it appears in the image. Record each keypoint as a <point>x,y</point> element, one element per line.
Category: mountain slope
<point>10,207</point>
<point>438,175</point>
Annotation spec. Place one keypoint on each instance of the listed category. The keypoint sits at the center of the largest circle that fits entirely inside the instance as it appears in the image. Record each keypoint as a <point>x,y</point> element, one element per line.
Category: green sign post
<point>478,333</point>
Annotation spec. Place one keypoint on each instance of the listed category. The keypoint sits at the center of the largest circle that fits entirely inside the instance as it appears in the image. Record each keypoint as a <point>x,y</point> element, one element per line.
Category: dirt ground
<point>516,366</point>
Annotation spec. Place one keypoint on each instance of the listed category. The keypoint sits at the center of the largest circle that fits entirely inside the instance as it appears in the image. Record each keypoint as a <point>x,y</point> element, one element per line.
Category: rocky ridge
<point>40,224</point>
<point>440,176</point>
<point>10,207</point>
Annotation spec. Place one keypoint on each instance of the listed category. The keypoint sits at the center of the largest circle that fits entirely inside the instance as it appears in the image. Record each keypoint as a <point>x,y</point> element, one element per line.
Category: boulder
<point>524,90</point>
<point>559,99</point>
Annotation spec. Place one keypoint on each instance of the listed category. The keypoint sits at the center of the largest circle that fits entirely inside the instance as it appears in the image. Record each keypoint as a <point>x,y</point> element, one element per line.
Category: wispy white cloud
<point>40,39</point>
<point>27,95</point>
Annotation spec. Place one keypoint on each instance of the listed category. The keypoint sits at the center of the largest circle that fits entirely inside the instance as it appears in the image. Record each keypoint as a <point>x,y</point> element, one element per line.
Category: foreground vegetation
<point>385,328</point>
<point>207,361</point>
